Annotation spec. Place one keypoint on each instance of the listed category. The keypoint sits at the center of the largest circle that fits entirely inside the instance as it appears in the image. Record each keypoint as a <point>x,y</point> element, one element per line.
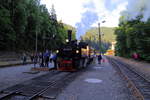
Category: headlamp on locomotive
<point>72,55</point>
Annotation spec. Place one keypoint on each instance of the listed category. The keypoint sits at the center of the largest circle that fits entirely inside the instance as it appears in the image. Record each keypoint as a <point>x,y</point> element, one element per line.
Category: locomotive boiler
<point>73,55</point>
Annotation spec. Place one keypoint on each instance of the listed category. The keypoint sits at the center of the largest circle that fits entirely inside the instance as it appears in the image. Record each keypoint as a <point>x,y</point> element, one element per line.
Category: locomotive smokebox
<point>69,35</point>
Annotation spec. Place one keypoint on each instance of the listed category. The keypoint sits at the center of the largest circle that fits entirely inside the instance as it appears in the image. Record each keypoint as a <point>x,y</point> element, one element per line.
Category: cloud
<point>110,16</point>
<point>87,13</point>
<point>89,17</point>
<point>140,7</point>
<point>69,11</point>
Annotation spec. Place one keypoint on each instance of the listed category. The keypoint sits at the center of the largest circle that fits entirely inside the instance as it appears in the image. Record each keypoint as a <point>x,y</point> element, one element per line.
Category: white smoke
<point>136,8</point>
<point>88,18</point>
<point>146,12</point>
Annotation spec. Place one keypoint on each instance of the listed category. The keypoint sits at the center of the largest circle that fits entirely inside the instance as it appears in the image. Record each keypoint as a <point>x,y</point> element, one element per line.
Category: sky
<point>84,14</point>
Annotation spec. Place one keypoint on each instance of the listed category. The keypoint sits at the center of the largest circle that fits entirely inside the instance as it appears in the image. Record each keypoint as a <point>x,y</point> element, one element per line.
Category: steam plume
<point>89,17</point>
<point>137,7</point>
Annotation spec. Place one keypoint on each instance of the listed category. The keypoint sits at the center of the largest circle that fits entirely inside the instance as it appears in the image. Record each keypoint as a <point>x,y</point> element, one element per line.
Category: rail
<point>137,83</point>
<point>40,86</point>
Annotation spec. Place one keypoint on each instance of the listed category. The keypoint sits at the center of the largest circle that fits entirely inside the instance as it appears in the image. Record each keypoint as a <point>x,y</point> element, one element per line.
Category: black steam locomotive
<point>73,55</point>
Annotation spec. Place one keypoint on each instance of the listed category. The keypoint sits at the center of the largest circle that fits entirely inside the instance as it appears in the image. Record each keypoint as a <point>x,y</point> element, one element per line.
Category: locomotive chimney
<point>69,35</point>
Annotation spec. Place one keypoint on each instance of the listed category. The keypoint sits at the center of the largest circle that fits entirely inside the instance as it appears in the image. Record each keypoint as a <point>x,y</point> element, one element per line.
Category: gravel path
<point>100,82</point>
<point>13,75</point>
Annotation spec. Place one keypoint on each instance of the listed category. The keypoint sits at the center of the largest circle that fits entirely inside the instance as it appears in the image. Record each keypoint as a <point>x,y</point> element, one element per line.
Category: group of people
<point>44,58</point>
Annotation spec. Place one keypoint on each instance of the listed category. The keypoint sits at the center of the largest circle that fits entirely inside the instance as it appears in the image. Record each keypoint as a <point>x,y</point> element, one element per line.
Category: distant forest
<point>107,36</point>
<point>20,20</point>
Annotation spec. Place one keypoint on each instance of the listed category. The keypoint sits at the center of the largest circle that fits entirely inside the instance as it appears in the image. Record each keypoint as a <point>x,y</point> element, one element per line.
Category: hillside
<point>107,34</point>
<point>92,38</point>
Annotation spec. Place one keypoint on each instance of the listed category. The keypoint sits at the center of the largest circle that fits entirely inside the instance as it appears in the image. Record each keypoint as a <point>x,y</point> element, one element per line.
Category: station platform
<point>12,63</point>
<point>10,76</point>
<point>99,82</point>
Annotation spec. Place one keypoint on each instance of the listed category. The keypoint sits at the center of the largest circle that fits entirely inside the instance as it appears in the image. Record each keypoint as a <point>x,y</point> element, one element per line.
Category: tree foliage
<point>133,36</point>
<point>20,20</point>
<point>106,32</point>
<point>107,36</point>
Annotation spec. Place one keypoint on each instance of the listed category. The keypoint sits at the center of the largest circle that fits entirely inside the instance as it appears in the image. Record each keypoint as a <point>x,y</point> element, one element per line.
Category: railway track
<point>137,83</point>
<point>44,87</point>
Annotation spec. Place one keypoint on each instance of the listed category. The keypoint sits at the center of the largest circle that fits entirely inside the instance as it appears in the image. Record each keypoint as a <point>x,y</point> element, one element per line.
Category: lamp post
<point>99,31</point>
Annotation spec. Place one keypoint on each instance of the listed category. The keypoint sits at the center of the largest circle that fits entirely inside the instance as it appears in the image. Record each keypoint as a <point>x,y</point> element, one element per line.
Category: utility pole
<point>100,39</point>
<point>99,31</point>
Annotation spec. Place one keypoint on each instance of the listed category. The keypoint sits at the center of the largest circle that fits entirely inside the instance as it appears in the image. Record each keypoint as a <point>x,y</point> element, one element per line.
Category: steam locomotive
<point>73,55</point>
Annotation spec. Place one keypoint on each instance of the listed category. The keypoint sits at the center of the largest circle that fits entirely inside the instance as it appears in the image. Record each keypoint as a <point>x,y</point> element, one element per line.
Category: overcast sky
<point>70,11</point>
<point>84,14</point>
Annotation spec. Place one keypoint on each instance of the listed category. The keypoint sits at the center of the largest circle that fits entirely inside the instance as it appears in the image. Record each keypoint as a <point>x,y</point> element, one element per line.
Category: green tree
<point>20,20</point>
<point>133,37</point>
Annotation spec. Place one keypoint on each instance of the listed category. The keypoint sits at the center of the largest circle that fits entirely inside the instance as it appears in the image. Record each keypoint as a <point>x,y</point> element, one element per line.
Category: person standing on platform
<point>35,59</point>
<point>32,57</point>
<point>55,60</point>
<point>99,59</point>
<point>41,60</point>
<point>46,58</point>
<point>24,58</point>
<point>51,57</point>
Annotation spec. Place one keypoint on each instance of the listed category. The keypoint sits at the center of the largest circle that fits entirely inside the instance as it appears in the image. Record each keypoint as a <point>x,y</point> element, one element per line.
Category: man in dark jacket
<point>41,60</point>
<point>99,59</point>
<point>46,58</point>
